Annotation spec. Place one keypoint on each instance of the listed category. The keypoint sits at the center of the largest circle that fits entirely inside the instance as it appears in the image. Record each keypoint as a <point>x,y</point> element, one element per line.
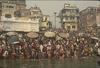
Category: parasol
<point>32,35</point>
<point>50,34</point>
<point>64,35</point>
<point>11,33</point>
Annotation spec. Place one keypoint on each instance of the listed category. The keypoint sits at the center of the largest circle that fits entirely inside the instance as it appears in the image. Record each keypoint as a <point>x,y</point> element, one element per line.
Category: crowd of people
<point>48,48</point>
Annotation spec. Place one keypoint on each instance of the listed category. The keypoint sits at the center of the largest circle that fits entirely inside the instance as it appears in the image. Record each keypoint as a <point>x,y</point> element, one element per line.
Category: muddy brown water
<point>49,63</point>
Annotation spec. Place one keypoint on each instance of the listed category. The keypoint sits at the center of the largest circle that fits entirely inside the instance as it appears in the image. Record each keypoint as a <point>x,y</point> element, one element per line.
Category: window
<point>73,27</point>
<point>8,15</point>
<point>72,11</point>
<point>23,14</point>
<point>64,11</point>
<point>9,7</point>
<point>72,18</point>
<point>68,27</point>
<point>77,11</point>
<point>17,14</point>
<point>66,18</point>
<point>35,12</point>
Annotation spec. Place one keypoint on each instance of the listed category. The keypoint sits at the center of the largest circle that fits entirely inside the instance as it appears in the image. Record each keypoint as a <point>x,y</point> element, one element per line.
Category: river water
<point>47,63</point>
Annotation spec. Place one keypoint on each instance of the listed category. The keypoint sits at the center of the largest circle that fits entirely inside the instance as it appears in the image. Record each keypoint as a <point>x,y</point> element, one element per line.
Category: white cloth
<point>41,48</point>
<point>5,53</point>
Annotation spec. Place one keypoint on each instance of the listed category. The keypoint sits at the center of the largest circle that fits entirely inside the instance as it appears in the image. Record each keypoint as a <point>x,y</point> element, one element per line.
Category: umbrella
<point>49,34</point>
<point>64,35</point>
<point>11,33</point>
<point>13,40</point>
<point>32,35</point>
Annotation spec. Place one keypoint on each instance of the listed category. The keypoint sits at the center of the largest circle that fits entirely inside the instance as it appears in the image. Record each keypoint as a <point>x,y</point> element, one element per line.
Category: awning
<point>32,35</point>
<point>50,34</point>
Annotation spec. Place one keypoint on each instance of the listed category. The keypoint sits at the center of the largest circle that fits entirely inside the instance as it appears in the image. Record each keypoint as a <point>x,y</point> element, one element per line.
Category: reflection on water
<point>31,63</point>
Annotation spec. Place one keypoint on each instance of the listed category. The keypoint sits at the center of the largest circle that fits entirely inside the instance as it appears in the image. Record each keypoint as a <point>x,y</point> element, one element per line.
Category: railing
<point>9,26</point>
<point>71,21</point>
<point>70,14</point>
<point>18,20</point>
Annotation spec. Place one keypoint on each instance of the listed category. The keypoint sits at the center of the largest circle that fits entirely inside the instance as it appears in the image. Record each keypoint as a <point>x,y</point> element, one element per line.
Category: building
<point>8,10</point>
<point>0,14</point>
<point>69,16</point>
<point>10,6</point>
<point>36,14</point>
<point>45,24</point>
<point>90,19</point>
<point>20,4</point>
<point>22,14</point>
<point>19,20</point>
<point>98,21</point>
<point>98,16</point>
<point>15,17</point>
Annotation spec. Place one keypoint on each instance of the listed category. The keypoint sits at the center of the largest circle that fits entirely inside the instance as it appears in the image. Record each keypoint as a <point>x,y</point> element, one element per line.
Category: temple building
<point>15,17</point>
<point>10,6</point>
<point>45,24</point>
<point>36,14</point>
<point>88,20</point>
<point>69,17</point>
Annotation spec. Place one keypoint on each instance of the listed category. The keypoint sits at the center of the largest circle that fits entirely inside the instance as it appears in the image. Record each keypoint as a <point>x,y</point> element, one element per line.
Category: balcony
<point>70,21</point>
<point>16,26</point>
<point>70,14</point>
<point>13,19</point>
